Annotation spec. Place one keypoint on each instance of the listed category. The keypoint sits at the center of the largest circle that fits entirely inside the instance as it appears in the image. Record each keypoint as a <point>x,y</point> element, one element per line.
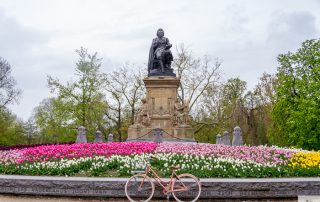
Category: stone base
<point>161,100</point>
<point>138,133</point>
<point>158,72</point>
<point>186,132</point>
<point>230,188</point>
<point>164,140</point>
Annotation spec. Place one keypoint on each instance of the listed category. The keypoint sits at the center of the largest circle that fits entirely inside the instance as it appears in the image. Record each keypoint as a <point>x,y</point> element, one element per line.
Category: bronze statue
<point>160,56</point>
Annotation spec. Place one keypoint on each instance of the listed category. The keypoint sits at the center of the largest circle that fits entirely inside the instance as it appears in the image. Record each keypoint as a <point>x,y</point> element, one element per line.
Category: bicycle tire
<point>193,188</point>
<point>133,192</point>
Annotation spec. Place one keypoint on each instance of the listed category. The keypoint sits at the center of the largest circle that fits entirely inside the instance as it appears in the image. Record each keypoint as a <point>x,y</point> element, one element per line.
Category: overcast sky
<point>39,37</point>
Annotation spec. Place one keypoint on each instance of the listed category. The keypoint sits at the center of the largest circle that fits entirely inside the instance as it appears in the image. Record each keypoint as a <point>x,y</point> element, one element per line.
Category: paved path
<point>9,198</point>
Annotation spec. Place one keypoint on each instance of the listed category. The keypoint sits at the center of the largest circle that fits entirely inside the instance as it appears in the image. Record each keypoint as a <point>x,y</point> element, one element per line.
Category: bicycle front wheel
<point>139,188</point>
<point>186,188</point>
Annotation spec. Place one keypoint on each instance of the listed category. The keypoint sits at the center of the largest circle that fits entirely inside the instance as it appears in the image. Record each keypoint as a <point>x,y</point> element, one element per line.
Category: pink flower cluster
<point>259,154</point>
<point>56,152</point>
<point>10,157</point>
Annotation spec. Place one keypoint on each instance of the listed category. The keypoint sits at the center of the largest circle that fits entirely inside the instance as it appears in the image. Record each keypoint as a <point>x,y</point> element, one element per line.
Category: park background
<point>249,64</point>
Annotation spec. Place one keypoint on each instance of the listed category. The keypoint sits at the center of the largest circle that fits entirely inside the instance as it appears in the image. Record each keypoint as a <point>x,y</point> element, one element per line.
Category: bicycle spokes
<point>139,188</point>
<point>186,187</point>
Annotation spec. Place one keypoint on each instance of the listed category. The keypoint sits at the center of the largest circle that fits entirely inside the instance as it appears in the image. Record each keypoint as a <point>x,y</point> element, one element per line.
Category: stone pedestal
<point>161,97</point>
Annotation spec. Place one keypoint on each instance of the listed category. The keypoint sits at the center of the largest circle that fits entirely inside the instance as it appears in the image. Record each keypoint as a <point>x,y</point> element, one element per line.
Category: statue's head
<point>98,133</point>
<point>237,130</point>
<point>160,33</point>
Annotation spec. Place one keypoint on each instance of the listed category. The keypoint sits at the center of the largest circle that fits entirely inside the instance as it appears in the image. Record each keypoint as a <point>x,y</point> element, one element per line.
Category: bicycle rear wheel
<point>139,188</point>
<point>188,188</point>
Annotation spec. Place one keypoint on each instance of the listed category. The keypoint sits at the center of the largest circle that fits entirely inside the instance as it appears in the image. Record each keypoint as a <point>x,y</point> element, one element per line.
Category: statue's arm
<point>154,44</point>
<point>168,44</point>
<point>151,55</point>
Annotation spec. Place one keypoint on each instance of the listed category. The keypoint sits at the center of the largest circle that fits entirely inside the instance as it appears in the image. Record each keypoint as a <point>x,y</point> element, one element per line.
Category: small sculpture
<point>142,117</point>
<point>181,113</point>
<point>160,56</point>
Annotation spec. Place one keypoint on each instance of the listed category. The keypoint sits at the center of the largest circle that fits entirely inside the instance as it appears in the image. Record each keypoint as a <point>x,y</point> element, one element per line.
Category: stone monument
<point>99,137</point>
<point>110,138</point>
<point>219,139</point>
<point>237,137</point>
<point>81,137</point>
<point>226,138</point>
<point>158,135</point>
<point>161,107</point>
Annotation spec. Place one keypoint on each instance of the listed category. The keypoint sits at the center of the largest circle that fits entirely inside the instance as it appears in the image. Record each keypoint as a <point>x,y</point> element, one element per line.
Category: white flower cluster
<point>127,163</point>
<point>60,165</point>
<point>201,162</point>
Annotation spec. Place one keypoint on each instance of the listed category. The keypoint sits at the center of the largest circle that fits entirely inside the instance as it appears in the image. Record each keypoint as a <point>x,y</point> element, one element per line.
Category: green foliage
<point>297,103</point>
<point>11,129</point>
<point>79,102</point>
<point>52,118</point>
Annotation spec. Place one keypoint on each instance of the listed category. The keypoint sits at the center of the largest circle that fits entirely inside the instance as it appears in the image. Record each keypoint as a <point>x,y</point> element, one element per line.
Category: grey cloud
<point>289,30</point>
<point>236,20</point>
<point>14,36</point>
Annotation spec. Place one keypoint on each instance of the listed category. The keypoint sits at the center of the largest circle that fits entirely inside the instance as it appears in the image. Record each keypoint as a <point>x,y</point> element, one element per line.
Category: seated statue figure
<point>181,114</point>
<point>160,56</point>
<point>142,117</point>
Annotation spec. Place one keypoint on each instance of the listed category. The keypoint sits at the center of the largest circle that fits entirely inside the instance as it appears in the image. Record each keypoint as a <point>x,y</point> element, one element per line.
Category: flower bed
<point>22,146</point>
<point>119,159</point>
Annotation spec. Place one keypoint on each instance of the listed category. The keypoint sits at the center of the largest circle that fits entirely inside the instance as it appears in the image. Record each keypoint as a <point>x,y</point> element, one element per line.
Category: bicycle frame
<point>167,186</point>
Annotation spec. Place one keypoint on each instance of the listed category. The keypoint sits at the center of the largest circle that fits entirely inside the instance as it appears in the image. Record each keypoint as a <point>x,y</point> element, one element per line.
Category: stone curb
<point>114,187</point>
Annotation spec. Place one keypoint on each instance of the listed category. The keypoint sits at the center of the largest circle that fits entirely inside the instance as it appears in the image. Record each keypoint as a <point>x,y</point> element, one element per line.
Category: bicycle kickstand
<point>168,196</point>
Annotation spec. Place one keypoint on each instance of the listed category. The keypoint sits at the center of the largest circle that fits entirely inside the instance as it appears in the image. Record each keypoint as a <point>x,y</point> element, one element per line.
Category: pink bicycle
<point>183,187</point>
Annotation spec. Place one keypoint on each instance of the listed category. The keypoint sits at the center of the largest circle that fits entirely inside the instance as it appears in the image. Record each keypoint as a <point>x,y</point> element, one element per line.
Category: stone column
<point>226,138</point>
<point>81,137</point>
<point>237,137</point>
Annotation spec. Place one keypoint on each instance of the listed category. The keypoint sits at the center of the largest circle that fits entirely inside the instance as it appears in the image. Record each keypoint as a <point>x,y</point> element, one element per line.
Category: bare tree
<point>31,129</point>
<point>212,111</point>
<point>195,74</point>
<point>115,108</point>
<point>125,88</point>
<point>8,92</point>
<point>222,105</point>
